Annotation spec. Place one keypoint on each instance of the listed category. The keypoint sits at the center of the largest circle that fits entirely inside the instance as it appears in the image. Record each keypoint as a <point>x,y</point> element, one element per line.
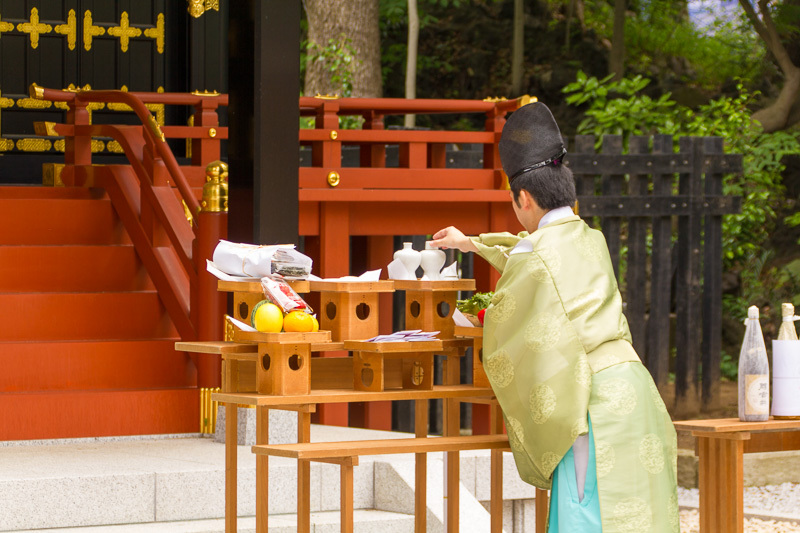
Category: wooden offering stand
<point>349,309</point>
<point>430,304</point>
<point>479,378</point>
<point>276,371</point>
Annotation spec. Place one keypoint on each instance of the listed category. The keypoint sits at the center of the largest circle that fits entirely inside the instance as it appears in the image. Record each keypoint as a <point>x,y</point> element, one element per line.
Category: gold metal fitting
<point>215,190</point>
<point>327,96</point>
<point>212,132</point>
<point>45,129</point>
<point>525,100</point>
<point>334,135</point>
<point>205,93</point>
<point>155,128</point>
<point>333,178</point>
<point>495,99</point>
<point>35,91</point>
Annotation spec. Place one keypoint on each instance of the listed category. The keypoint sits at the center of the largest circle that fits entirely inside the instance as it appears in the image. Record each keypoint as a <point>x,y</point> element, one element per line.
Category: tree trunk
<point>518,49</point>
<point>782,113</point>
<point>357,22</point>
<point>616,60</point>
<point>411,58</point>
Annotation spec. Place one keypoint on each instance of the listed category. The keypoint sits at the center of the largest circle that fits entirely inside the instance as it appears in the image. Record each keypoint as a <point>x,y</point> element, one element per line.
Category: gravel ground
<point>781,499</point>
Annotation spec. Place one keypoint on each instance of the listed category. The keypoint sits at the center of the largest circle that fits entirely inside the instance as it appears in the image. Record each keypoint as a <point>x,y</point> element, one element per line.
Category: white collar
<point>555,214</point>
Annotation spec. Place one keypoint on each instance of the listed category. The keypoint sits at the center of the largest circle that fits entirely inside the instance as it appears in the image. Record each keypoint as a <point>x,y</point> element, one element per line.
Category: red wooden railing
<point>146,194</point>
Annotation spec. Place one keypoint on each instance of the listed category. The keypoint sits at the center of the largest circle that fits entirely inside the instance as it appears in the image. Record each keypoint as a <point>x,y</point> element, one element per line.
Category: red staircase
<point>86,346</point>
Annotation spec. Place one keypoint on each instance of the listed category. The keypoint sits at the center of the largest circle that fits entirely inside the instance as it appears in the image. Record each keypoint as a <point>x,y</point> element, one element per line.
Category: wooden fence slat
<point>585,182</point>
<point>658,323</point>
<point>636,276</point>
<point>688,333</point>
<point>612,185</point>
<point>652,206</point>
<point>712,283</point>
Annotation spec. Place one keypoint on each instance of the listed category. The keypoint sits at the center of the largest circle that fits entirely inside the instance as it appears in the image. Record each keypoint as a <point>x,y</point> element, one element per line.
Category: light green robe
<point>556,347</point>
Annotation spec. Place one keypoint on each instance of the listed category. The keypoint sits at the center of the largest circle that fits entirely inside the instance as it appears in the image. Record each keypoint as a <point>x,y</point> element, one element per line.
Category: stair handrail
<point>152,128</point>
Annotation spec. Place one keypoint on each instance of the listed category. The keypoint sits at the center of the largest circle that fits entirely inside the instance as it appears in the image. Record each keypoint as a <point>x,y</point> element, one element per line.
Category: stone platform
<point>176,484</point>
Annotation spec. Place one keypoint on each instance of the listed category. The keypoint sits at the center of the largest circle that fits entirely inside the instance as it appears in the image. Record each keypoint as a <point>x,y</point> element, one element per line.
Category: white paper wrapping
<point>785,378</point>
<point>250,260</point>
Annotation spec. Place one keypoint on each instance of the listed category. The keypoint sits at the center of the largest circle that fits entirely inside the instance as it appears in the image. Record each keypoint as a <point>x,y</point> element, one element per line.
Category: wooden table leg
<point>451,427</point>
<point>496,501</point>
<point>303,476</point>
<point>231,443</point>
<point>540,506</point>
<point>420,468</point>
<point>721,484</point>
<point>262,471</point>
<point>346,495</point>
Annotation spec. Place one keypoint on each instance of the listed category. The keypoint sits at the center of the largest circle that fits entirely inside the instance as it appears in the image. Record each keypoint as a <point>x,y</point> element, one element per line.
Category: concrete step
<point>365,521</point>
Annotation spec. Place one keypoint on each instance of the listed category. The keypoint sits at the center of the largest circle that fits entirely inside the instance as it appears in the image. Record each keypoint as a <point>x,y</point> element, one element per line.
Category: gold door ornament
<point>6,26</point>
<point>157,33</point>
<point>90,31</point>
<point>197,7</point>
<point>34,28</point>
<point>124,31</point>
<point>69,29</point>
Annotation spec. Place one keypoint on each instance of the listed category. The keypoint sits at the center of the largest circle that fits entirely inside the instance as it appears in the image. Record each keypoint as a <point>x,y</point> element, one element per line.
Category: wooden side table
<point>720,446</point>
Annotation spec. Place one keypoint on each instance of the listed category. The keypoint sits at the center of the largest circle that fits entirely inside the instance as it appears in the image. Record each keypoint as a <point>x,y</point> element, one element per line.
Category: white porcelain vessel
<point>409,257</point>
<point>432,262</point>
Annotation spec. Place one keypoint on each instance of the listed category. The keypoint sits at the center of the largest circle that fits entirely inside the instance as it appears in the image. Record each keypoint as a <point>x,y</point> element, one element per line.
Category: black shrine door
<point>68,44</point>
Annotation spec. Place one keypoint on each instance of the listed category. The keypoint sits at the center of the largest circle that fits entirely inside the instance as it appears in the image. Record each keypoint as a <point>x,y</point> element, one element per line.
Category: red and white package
<point>281,294</point>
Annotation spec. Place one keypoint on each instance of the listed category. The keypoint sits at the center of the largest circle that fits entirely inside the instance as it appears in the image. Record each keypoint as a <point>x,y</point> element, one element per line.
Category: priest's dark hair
<point>550,186</point>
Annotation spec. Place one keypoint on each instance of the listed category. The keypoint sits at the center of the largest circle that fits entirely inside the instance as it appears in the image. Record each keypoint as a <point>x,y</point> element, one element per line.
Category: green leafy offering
<point>471,306</point>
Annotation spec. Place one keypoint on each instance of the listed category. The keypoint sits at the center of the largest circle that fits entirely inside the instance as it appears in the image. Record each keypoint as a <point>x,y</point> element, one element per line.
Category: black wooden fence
<point>661,213</point>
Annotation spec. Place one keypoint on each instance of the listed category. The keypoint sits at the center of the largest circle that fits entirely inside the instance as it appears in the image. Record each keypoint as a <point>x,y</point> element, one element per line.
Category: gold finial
<point>333,178</point>
<point>215,190</point>
<point>525,100</point>
<point>36,92</point>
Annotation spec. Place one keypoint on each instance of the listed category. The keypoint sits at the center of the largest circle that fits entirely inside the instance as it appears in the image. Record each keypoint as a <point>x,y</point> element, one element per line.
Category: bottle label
<point>757,394</point>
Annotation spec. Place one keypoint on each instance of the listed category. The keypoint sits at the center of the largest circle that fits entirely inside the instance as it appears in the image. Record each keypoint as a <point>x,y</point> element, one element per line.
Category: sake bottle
<point>786,368</point>
<point>787,331</point>
<point>753,372</point>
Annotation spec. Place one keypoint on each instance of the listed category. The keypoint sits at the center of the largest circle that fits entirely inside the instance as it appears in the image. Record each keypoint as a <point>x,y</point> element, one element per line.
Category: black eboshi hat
<point>530,140</point>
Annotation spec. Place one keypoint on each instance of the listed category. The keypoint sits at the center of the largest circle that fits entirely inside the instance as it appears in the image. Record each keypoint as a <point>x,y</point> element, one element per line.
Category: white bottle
<point>753,372</point>
<point>432,261</point>
<point>787,331</point>
<point>786,368</point>
<point>410,259</point>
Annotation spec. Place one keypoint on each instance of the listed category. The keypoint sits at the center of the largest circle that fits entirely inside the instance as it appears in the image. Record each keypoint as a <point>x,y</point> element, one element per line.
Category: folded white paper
<point>450,272</point>
<point>461,320</point>
<point>211,267</point>
<point>241,325</point>
<point>397,270</point>
<point>369,275</point>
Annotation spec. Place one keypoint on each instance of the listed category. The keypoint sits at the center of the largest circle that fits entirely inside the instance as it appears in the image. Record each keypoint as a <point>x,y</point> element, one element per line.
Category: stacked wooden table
<point>720,446</point>
<point>277,371</point>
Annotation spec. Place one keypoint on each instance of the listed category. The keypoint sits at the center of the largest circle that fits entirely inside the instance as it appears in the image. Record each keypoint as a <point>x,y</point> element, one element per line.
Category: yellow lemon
<point>267,317</point>
<point>299,321</point>
<point>316,323</point>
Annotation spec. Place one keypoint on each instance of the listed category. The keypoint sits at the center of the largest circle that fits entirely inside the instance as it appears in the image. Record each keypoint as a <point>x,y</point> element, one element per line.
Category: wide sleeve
<point>495,247</point>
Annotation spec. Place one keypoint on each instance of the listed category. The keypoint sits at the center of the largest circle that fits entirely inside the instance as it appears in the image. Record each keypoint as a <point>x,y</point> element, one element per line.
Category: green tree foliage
<point>621,108</point>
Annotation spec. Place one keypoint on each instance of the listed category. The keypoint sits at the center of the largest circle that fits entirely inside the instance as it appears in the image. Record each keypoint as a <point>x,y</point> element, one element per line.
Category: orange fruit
<point>316,323</point>
<point>298,321</point>
<point>267,317</point>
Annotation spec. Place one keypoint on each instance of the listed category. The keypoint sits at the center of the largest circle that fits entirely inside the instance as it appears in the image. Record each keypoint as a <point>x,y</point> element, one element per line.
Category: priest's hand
<point>452,237</point>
